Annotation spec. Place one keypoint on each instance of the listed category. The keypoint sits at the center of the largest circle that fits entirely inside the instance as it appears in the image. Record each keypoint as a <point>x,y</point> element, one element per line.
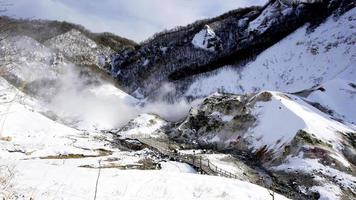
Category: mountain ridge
<point>42,30</point>
<point>180,59</point>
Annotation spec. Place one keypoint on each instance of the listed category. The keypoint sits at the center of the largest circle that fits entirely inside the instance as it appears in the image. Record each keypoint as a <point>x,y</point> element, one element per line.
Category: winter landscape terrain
<point>258,103</point>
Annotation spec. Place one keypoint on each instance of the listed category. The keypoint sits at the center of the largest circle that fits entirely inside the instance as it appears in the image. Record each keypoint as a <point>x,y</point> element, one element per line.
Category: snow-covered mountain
<point>265,95</point>
<point>300,61</point>
<point>336,97</point>
<point>282,130</point>
<point>54,104</point>
<point>316,30</point>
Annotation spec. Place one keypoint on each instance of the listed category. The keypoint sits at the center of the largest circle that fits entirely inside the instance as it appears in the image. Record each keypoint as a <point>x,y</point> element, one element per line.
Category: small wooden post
<point>200,163</point>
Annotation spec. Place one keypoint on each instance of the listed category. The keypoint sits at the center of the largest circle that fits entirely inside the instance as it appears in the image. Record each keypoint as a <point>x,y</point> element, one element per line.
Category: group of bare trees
<point>6,173</point>
<point>4,27</point>
<point>7,58</point>
<point>4,33</point>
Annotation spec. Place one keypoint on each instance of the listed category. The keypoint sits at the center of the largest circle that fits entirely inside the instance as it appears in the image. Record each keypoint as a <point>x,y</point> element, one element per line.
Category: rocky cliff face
<point>284,132</point>
<point>237,37</point>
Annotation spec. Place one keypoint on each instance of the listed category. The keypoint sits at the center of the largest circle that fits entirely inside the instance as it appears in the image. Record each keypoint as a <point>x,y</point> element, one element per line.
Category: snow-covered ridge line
<point>300,61</point>
<point>188,50</point>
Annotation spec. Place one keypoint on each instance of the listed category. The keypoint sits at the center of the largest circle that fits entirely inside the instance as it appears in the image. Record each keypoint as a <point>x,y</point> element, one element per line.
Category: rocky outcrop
<point>225,114</point>
<point>143,126</point>
<point>283,132</point>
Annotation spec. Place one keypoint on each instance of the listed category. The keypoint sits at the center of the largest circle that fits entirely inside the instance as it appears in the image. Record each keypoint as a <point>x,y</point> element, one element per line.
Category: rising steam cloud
<point>90,103</point>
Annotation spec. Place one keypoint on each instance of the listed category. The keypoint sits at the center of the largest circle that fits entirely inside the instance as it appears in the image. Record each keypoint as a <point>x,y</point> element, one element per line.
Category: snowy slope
<point>295,114</point>
<point>58,147</point>
<point>206,39</point>
<point>298,62</point>
<point>268,120</point>
<point>283,132</point>
<point>60,182</point>
<point>338,96</point>
<point>330,182</point>
<point>268,17</point>
<point>52,161</point>
<point>30,132</point>
<point>145,125</point>
<point>78,95</point>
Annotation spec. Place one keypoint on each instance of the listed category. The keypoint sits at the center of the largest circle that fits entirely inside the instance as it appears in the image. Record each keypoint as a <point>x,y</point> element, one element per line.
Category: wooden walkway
<point>202,165</point>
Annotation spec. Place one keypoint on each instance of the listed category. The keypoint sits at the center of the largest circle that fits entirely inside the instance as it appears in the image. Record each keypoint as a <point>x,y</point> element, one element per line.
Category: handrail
<point>203,165</point>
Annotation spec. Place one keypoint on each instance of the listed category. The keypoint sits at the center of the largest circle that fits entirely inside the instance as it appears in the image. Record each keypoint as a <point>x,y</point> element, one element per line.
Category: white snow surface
<point>284,115</point>
<point>280,118</point>
<point>201,39</point>
<point>65,182</point>
<point>328,191</point>
<point>339,96</point>
<point>172,166</point>
<point>28,138</point>
<point>265,19</point>
<point>298,62</point>
<point>30,132</point>
<point>145,125</point>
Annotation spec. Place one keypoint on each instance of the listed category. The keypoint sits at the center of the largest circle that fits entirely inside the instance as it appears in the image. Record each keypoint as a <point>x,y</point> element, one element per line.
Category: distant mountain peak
<point>78,48</point>
<point>207,39</point>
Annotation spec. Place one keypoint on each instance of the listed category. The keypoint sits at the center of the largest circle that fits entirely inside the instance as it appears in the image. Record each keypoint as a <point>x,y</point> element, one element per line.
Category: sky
<point>133,19</point>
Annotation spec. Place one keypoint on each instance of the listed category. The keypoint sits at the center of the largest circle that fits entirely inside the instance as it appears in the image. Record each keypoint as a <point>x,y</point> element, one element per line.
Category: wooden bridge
<point>202,165</point>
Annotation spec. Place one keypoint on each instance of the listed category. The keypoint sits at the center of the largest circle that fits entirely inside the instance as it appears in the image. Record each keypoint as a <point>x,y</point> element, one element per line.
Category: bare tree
<point>6,58</point>
<point>5,28</point>
<point>271,193</point>
<point>7,175</point>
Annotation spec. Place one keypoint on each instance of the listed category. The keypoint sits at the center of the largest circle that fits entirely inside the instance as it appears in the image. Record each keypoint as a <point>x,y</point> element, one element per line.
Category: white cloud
<point>134,19</point>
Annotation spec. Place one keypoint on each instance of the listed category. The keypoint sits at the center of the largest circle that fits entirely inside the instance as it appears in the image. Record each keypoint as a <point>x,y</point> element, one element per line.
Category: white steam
<point>90,103</point>
<point>89,106</point>
<point>78,96</point>
<point>169,111</point>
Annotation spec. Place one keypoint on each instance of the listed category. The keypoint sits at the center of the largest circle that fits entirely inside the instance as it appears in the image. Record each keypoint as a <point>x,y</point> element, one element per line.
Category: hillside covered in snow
<point>258,103</point>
